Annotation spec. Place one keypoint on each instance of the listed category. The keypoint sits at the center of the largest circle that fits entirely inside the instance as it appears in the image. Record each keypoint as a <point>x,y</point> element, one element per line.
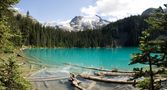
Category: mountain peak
<point>81,23</point>
<point>76,20</point>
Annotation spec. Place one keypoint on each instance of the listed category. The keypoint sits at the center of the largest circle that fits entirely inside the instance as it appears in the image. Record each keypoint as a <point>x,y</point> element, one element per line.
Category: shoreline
<point>38,73</point>
<point>39,68</point>
<point>31,47</point>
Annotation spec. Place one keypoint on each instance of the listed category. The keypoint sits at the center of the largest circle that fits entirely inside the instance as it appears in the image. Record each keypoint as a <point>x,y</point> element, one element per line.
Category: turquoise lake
<point>108,58</point>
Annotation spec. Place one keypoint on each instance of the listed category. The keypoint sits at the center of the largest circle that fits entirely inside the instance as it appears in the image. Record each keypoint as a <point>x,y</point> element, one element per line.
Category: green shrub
<point>145,84</point>
<point>10,76</point>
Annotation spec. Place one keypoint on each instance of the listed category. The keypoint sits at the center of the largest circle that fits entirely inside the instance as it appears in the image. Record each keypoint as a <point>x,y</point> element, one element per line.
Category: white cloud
<point>117,9</point>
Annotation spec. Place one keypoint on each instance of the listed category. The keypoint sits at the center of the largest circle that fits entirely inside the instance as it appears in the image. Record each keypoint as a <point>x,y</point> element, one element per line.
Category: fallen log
<point>75,81</point>
<point>46,79</point>
<point>96,78</point>
<point>160,80</point>
<point>77,86</point>
<point>99,69</point>
<point>46,84</point>
<point>114,74</point>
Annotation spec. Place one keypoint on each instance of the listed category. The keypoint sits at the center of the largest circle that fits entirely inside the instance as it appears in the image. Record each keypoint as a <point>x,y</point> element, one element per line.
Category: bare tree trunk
<point>151,75</point>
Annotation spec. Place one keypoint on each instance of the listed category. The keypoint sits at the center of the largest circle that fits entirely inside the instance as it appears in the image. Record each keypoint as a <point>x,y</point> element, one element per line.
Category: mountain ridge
<point>80,23</point>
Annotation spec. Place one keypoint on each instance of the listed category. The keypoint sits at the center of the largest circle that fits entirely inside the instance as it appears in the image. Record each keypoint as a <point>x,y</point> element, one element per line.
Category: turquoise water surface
<point>108,58</point>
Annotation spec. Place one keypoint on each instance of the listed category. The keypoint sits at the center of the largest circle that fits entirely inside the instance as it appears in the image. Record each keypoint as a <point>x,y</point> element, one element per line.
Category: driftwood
<point>96,78</point>
<point>45,79</point>
<point>92,68</point>
<point>46,84</point>
<point>114,74</point>
<point>75,82</point>
<point>160,80</point>
<point>98,69</point>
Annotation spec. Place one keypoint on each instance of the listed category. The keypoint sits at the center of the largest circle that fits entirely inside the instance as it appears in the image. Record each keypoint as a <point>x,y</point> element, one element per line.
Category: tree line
<point>123,32</point>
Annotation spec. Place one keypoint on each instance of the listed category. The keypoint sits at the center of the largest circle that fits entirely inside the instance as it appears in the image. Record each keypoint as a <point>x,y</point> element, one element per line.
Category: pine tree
<point>10,78</point>
<point>151,47</point>
<point>5,32</point>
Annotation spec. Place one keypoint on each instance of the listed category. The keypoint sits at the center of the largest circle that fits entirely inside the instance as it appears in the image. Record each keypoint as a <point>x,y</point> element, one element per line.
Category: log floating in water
<point>98,69</point>
<point>104,79</point>
<point>46,84</point>
<point>75,82</point>
<point>46,79</point>
<point>160,80</point>
<point>114,74</point>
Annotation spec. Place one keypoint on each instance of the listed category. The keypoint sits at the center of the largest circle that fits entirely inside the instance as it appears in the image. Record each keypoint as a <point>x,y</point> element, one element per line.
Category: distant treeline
<point>123,32</point>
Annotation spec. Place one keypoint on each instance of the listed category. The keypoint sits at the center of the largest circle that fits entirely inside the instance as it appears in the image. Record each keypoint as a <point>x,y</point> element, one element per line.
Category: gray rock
<point>149,11</point>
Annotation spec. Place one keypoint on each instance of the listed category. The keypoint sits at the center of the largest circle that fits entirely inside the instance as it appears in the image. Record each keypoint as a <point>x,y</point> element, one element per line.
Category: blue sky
<point>62,10</point>
<point>49,10</point>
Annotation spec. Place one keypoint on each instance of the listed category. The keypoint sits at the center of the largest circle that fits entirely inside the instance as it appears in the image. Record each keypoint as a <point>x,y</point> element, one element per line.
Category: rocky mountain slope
<point>81,23</point>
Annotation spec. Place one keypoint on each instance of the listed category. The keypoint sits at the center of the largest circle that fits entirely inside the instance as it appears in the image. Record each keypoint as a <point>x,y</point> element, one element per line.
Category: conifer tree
<point>10,77</point>
<point>152,48</point>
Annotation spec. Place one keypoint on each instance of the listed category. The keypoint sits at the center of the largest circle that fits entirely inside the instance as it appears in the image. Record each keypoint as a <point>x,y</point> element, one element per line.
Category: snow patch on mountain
<point>80,23</point>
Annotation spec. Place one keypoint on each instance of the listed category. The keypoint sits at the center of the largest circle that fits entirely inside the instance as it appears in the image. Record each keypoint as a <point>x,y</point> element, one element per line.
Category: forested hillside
<point>123,32</point>
<point>126,32</point>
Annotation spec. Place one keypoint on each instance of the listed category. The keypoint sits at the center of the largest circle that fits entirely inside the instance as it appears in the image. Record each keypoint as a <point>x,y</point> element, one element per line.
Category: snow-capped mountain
<point>81,23</point>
